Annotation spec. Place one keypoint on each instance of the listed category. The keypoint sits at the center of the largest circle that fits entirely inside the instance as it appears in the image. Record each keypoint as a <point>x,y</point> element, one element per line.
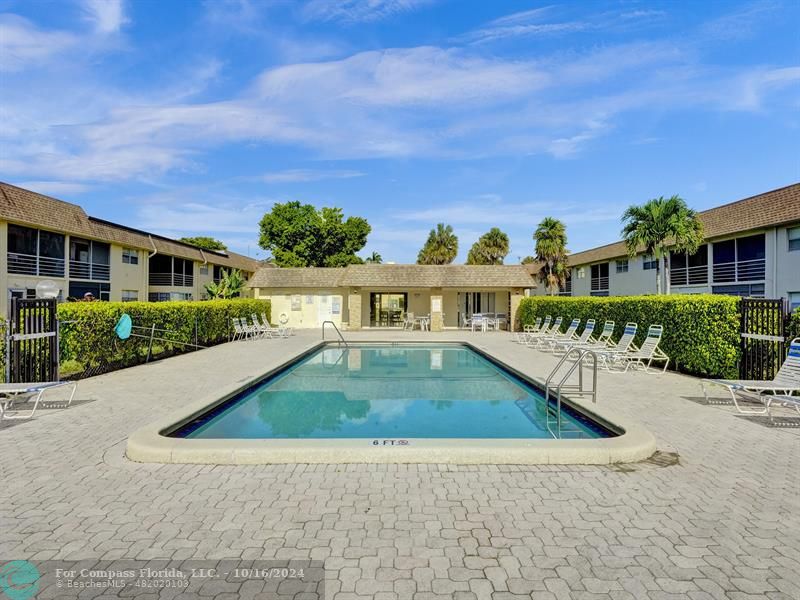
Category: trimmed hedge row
<point>701,332</point>
<point>794,324</point>
<point>87,328</point>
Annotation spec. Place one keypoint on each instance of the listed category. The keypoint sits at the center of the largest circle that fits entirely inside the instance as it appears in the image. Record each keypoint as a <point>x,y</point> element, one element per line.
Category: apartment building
<point>752,248</point>
<point>42,238</point>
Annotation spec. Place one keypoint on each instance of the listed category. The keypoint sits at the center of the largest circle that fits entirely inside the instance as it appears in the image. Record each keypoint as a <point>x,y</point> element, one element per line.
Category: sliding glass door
<point>387,309</point>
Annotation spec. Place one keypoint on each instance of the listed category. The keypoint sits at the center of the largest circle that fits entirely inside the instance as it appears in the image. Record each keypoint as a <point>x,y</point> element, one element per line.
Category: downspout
<point>147,271</point>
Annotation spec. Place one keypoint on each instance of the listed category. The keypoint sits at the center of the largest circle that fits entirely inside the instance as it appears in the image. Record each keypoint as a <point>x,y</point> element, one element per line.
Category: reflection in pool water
<point>388,392</point>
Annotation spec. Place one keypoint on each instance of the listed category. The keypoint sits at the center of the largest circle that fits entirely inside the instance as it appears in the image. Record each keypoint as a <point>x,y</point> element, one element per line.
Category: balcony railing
<point>744,270</point>
<point>31,264</point>
<point>689,275</point>
<point>91,271</point>
<point>171,279</point>
<point>599,284</point>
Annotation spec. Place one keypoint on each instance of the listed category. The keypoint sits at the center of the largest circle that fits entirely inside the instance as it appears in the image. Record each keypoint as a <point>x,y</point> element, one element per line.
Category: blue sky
<point>193,118</point>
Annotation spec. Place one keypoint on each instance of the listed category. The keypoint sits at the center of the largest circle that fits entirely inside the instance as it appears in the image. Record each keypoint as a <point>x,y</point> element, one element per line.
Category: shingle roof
<point>305,277</point>
<point>393,276</point>
<point>30,208</point>
<point>770,209</point>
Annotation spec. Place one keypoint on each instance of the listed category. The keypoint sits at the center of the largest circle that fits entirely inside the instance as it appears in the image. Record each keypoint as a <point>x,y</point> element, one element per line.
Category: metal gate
<point>763,337</point>
<point>32,341</point>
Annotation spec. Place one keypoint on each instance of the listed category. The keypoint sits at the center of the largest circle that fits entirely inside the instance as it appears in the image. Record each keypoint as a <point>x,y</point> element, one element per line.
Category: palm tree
<point>659,224</point>
<point>551,250</point>
<point>490,249</point>
<point>440,248</point>
<point>374,258</point>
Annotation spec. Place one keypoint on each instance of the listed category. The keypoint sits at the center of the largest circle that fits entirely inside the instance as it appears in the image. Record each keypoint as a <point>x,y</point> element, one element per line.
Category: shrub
<point>87,328</point>
<point>701,332</point>
<point>794,324</point>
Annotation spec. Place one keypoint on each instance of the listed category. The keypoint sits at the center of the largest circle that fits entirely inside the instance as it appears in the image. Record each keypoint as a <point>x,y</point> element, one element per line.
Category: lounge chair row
<point>12,393</point>
<point>259,328</point>
<point>621,355</point>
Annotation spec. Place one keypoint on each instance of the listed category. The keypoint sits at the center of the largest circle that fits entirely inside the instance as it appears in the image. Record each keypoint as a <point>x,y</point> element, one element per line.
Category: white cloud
<point>23,45</point>
<point>358,10</point>
<point>106,16</point>
<point>54,188</point>
<point>303,175</point>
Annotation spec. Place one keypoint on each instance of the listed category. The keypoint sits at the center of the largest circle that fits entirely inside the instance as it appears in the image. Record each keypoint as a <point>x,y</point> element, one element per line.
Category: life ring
<point>283,319</point>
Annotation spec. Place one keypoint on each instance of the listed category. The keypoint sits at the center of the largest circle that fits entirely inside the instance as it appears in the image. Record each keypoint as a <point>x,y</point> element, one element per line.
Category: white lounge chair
<point>268,330</point>
<point>534,338</point>
<point>784,400</point>
<point>647,353</point>
<point>239,332</point>
<point>560,346</point>
<point>549,341</point>
<point>283,330</point>
<point>601,342</point>
<point>786,381</point>
<point>520,336</point>
<point>608,355</point>
<point>10,392</point>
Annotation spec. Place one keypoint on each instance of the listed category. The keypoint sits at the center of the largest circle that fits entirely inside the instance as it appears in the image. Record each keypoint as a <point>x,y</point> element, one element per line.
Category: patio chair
<point>606,356</point>
<point>784,400</point>
<point>533,338</point>
<point>561,346</point>
<point>786,381</point>
<point>549,341</point>
<point>11,391</point>
<point>647,354</point>
<point>601,342</point>
<point>521,336</point>
<point>408,321</point>
<point>238,331</point>
<point>251,331</point>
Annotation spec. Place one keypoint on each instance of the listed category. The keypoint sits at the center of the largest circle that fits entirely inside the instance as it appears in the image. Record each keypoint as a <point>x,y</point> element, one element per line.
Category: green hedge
<point>794,324</point>
<point>701,332</point>
<point>87,328</point>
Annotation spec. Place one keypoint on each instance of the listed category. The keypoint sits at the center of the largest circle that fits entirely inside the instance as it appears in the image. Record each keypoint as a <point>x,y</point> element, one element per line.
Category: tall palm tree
<point>659,224</point>
<point>374,258</point>
<point>490,249</point>
<point>551,250</point>
<point>440,248</point>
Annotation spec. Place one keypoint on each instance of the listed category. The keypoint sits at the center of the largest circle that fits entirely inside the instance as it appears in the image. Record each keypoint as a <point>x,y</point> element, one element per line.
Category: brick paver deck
<point>715,514</point>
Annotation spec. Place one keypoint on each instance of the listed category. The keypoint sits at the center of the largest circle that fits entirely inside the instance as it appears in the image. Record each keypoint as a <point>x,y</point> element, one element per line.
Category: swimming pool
<point>392,393</point>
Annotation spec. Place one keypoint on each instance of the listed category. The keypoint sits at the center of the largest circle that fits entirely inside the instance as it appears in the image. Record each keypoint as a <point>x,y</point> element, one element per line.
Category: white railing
<point>93,271</point>
<point>171,279</point>
<point>743,270</point>
<point>599,284</point>
<point>31,264</point>
<point>689,275</point>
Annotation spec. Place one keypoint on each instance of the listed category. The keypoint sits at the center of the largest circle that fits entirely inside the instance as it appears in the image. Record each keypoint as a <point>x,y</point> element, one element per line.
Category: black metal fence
<point>763,337</point>
<point>32,341</point>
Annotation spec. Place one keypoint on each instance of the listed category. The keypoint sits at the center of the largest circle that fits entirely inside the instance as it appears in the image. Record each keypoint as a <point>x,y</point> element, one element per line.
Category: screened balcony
<point>689,270</point>
<point>170,271</point>
<point>742,259</point>
<point>35,252</point>
<point>89,260</point>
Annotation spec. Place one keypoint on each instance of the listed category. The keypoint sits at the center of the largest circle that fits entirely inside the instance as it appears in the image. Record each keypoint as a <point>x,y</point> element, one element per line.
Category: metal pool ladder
<point>575,389</point>
<point>339,333</point>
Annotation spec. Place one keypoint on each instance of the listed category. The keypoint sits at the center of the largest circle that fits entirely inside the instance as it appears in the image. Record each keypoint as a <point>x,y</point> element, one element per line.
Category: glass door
<point>387,310</point>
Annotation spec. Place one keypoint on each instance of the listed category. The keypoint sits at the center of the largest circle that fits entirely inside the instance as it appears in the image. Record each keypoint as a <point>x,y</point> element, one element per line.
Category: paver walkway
<point>716,514</point>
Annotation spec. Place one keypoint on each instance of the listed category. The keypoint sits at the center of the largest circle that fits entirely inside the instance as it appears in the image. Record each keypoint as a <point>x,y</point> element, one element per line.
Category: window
<point>622,266</point>
<point>130,256</point>
<point>89,260</point>
<point>649,262</point>
<point>745,290</point>
<point>689,270</point>
<point>167,296</point>
<point>599,285</point>
<point>794,238</point>
<point>742,259</point>
<point>794,300</point>
<point>101,291</point>
<point>130,295</point>
<point>204,269</point>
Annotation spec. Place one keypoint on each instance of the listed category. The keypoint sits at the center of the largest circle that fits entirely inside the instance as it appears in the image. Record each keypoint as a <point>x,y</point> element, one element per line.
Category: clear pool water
<point>392,392</point>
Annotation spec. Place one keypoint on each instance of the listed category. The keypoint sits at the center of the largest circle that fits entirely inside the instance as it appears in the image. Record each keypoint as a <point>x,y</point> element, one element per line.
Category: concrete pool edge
<point>149,444</point>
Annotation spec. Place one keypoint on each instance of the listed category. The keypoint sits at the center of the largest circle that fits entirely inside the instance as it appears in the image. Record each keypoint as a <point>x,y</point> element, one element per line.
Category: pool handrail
<point>339,333</point>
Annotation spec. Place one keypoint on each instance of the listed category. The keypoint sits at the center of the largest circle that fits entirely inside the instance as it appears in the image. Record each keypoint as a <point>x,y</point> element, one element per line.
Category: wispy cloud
<point>106,16</point>
<point>303,175</point>
<point>355,11</point>
<point>24,45</point>
<point>55,188</point>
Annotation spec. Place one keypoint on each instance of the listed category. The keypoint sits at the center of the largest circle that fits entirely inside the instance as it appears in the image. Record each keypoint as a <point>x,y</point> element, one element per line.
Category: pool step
<point>568,429</point>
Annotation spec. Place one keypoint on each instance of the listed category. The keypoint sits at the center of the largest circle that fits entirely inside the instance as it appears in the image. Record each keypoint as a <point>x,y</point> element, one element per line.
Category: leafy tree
<point>528,260</point>
<point>551,250</point>
<point>490,249</point>
<point>659,224</point>
<point>440,248</point>
<point>299,235</point>
<point>205,242</point>
<point>230,285</point>
<point>374,258</point>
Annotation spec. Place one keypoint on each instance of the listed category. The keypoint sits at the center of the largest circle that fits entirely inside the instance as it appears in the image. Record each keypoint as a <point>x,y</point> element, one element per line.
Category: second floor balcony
<point>743,270</point>
<point>87,270</point>
<point>33,264</point>
<point>171,279</point>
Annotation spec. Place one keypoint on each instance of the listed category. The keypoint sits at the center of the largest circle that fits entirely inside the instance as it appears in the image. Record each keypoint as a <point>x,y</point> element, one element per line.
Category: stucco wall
<point>313,306</point>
